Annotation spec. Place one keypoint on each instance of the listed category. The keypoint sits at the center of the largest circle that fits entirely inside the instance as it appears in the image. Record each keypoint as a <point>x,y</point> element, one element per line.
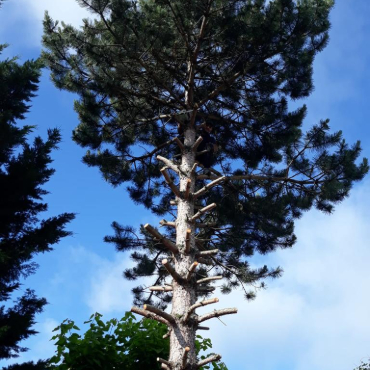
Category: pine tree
<point>24,168</point>
<point>149,74</point>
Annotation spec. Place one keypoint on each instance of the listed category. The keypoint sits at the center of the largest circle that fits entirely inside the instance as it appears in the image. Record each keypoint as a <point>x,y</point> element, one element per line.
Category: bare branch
<point>150,315</point>
<point>208,360</point>
<point>172,271</point>
<point>199,304</point>
<point>208,186</point>
<point>207,279</point>
<point>167,243</point>
<point>168,163</point>
<point>192,172</point>
<point>180,144</point>
<point>196,144</point>
<point>167,223</point>
<point>191,270</point>
<point>167,335</point>
<point>217,313</point>
<point>157,288</point>
<point>185,356</point>
<point>162,361</point>
<point>202,211</point>
<point>210,252</point>
<point>187,190</point>
<point>187,246</point>
<point>169,182</point>
<point>158,312</point>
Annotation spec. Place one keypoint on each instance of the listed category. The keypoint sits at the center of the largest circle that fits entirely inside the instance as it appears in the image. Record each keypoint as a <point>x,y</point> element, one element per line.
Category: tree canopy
<point>125,344</point>
<point>24,169</point>
<point>148,75</point>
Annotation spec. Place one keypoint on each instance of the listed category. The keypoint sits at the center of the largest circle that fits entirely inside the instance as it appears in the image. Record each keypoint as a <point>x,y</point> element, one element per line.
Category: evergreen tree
<point>149,74</point>
<point>24,168</point>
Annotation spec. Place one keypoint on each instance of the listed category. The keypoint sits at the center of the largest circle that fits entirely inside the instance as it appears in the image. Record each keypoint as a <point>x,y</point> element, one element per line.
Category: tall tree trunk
<point>184,292</point>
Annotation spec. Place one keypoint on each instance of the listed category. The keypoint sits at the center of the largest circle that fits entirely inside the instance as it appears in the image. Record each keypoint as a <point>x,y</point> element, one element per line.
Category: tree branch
<point>167,223</point>
<point>191,270</point>
<point>185,357</point>
<point>172,271</point>
<point>162,361</point>
<point>217,313</point>
<point>197,305</point>
<point>170,183</point>
<point>157,288</point>
<point>168,163</point>
<point>187,242</point>
<point>158,312</point>
<point>150,315</point>
<point>167,243</point>
<point>210,278</point>
<point>208,186</point>
<point>202,211</point>
<point>208,360</point>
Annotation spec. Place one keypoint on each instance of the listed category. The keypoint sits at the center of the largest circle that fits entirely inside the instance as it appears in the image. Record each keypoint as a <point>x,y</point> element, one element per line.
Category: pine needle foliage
<point>149,73</point>
<point>24,169</point>
<point>130,68</point>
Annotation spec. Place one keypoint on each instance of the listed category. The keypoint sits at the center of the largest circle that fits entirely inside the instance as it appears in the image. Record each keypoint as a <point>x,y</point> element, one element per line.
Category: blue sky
<point>316,317</point>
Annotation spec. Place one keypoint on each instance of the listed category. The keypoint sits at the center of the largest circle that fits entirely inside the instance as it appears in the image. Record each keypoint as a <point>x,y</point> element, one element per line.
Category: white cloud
<point>64,10</point>
<point>109,292</point>
<point>28,16</point>
<point>317,315</point>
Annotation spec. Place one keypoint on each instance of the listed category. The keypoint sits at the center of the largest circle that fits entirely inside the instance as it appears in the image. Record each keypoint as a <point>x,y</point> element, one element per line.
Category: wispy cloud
<point>317,315</point>
<point>30,14</point>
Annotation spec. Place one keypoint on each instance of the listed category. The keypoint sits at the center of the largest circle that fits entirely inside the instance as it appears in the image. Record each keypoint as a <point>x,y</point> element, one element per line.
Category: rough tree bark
<point>183,321</point>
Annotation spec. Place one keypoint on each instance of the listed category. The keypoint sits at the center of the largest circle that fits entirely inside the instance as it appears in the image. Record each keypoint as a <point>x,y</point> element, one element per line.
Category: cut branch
<point>168,163</point>
<point>180,144</point>
<point>207,279</point>
<point>187,246</point>
<point>208,186</point>
<point>210,252</point>
<point>217,313</point>
<point>187,190</point>
<point>167,223</point>
<point>157,288</point>
<point>194,168</point>
<point>196,144</point>
<point>197,305</point>
<point>208,360</point>
<point>185,356</point>
<point>191,270</point>
<point>172,271</point>
<point>167,243</point>
<point>169,182</point>
<point>162,361</point>
<point>165,367</point>
<point>158,312</point>
<point>150,315</point>
<point>167,335</point>
<point>202,211</point>
<point>202,328</point>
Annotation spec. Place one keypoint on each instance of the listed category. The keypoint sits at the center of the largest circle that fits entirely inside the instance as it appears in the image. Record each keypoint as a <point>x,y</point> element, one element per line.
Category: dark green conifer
<point>24,168</point>
<point>147,71</point>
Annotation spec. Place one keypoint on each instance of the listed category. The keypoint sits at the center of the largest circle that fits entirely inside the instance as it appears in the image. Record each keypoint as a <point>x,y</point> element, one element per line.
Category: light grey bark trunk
<point>184,294</point>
